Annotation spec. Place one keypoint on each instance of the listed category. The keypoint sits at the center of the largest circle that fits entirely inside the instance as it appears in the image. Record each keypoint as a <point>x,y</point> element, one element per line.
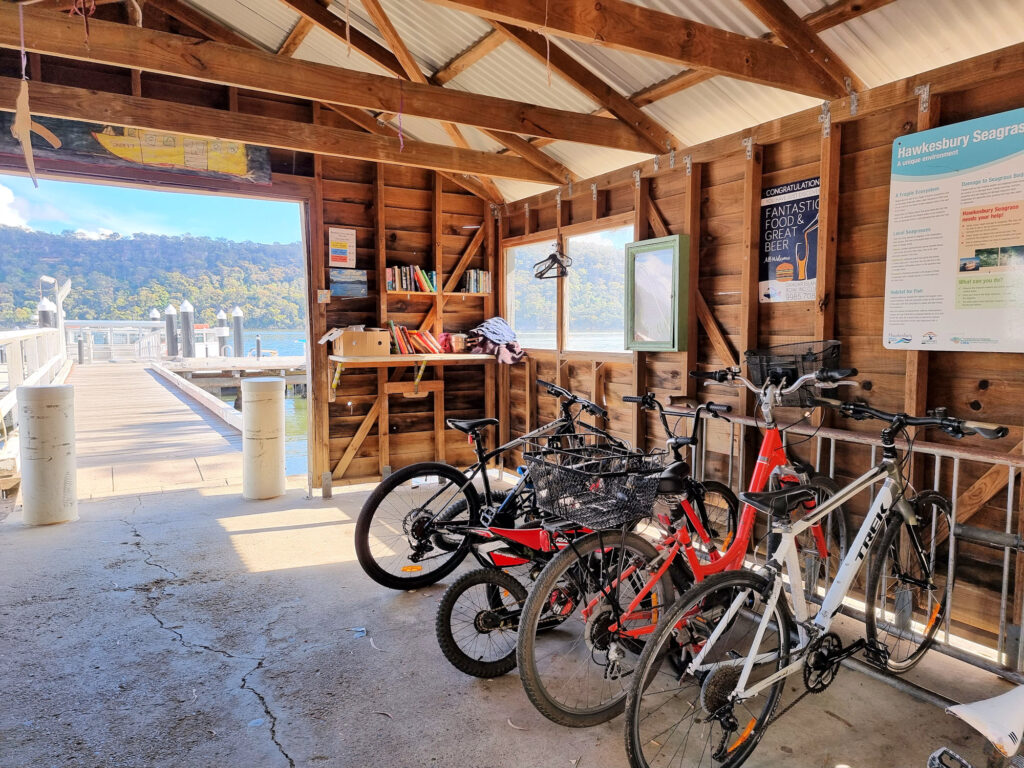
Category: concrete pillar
<point>81,350</point>
<point>222,333</point>
<point>263,437</point>
<point>188,339</point>
<point>237,338</point>
<point>171,330</point>
<point>47,313</point>
<point>46,419</point>
<point>259,347</point>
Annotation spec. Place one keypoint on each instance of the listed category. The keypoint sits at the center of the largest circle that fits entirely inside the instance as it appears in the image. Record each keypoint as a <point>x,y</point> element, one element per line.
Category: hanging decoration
<point>85,9</point>
<point>348,26</point>
<point>547,41</point>
<point>401,109</point>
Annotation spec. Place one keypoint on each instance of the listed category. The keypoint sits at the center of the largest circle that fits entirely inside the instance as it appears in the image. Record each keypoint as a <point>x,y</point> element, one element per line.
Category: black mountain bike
<point>415,528</point>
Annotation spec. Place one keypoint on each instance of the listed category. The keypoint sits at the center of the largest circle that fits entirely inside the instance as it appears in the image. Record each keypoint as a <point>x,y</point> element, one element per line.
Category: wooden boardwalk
<point>136,434</point>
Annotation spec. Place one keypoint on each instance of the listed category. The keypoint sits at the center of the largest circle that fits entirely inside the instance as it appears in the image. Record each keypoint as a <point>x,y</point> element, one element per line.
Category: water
<point>285,342</point>
<point>586,341</point>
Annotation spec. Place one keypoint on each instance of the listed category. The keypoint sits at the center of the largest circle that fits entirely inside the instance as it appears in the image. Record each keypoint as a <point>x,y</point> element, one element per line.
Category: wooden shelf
<point>464,293</point>
<point>411,293</point>
<point>397,361</point>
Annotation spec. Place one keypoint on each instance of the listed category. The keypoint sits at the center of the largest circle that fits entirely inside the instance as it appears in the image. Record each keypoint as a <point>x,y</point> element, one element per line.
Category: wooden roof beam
<point>295,38</point>
<point>468,57</point>
<point>68,103</point>
<point>636,29</point>
<point>199,22</point>
<point>804,42</point>
<point>657,136</point>
<point>830,16</point>
<point>153,51</point>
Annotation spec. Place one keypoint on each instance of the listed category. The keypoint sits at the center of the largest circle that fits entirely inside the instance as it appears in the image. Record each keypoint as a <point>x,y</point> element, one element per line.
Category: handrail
<point>28,357</point>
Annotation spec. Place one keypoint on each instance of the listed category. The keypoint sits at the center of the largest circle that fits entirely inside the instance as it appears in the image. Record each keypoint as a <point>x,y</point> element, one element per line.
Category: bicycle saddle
<point>470,425</point>
<point>999,719</point>
<point>778,503</point>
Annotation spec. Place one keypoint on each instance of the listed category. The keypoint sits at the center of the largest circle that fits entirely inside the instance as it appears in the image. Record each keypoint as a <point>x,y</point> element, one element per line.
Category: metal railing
<point>33,356</point>
<point>1003,656</point>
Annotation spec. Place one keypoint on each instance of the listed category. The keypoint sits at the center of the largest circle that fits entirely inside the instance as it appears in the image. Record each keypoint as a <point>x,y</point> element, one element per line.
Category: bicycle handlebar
<point>556,391</point>
<point>950,425</point>
<point>650,402</point>
<point>823,376</point>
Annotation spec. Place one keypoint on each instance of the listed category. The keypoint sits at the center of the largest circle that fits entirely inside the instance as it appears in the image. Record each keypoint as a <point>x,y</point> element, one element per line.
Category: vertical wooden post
<point>694,191</point>
<point>597,390</point>
<point>380,244</point>
<point>439,431</point>
<point>383,424</point>
<point>319,373</point>
<point>641,230</point>
<point>751,243</point>
<point>915,392</point>
<point>531,394</point>
<point>828,240</point>
<point>438,238</point>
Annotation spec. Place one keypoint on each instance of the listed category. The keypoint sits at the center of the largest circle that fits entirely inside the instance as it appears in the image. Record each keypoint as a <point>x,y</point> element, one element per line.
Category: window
<point>595,290</point>
<point>532,304</point>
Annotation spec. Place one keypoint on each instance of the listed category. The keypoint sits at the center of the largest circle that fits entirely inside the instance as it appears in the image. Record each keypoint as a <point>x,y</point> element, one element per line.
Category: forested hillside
<point>122,278</point>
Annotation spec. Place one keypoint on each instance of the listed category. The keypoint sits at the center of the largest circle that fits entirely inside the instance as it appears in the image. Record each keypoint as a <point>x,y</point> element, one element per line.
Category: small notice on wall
<point>342,247</point>
<point>954,275</point>
<point>789,241</point>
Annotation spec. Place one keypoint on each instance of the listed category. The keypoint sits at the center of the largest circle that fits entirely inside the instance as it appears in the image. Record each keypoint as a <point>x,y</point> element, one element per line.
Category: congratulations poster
<point>954,276</point>
<point>789,242</point>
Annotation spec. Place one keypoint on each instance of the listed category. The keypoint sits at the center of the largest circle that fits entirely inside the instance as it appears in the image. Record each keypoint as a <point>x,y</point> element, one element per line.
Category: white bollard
<point>46,423</point>
<point>263,437</point>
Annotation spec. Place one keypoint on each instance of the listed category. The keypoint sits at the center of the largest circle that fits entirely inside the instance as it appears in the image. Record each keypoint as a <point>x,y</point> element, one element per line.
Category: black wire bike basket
<point>597,485</point>
<point>793,360</point>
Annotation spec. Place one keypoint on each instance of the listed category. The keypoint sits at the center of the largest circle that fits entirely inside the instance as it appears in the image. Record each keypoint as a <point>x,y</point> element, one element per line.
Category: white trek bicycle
<point>709,679</point>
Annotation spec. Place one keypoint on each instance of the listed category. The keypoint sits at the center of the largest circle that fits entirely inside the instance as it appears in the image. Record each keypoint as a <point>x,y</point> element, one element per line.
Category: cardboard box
<point>369,343</point>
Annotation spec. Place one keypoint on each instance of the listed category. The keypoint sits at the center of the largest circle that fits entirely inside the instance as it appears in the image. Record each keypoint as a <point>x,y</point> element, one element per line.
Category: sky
<point>95,210</point>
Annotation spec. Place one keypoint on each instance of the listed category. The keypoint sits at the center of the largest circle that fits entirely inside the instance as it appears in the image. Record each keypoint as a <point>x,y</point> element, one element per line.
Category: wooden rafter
<point>153,51</point>
<point>199,22</point>
<point>299,33</point>
<point>468,57</point>
<point>804,42</point>
<point>558,172</point>
<point>830,16</point>
<point>413,73</point>
<point>50,100</point>
<point>636,29</point>
<point>659,138</point>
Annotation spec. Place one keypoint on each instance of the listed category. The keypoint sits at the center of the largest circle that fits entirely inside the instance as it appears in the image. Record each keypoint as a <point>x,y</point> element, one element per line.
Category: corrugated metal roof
<point>911,36</point>
<point>323,48</point>
<point>266,22</point>
<point>625,72</point>
<point>517,190</point>
<point>721,106</point>
<point>509,72</point>
<point>587,160</point>
<point>730,15</point>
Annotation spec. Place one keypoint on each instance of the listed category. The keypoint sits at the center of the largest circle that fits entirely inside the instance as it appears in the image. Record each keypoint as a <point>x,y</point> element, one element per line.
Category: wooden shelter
<point>446,131</point>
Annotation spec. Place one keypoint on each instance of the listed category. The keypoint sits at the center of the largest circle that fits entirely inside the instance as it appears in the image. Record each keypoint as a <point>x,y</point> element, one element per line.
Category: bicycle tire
<point>835,532</point>
<point>731,511</point>
<point>536,682</point>
<point>675,635</point>
<point>882,562</point>
<point>369,561</point>
<point>456,649</point>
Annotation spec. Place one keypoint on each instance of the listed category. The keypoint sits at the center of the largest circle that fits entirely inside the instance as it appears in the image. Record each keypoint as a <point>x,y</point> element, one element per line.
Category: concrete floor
<point>190,628</point>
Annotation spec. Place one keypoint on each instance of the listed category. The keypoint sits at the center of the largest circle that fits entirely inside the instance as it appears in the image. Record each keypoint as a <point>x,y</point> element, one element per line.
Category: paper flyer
<point>788,265</point>
<point>341,247</point>
<point>954,277</point>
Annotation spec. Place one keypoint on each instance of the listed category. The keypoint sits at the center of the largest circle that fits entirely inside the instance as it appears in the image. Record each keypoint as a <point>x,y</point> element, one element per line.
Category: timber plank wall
<point>981,386</point>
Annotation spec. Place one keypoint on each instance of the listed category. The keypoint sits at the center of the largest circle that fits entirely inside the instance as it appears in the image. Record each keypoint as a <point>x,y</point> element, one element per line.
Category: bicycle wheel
<point>678,717</point>
<point>577,673</point>
<point>819,571</point>
<point>397,541</point>
<point>908,581</point>
<point>477,622</point>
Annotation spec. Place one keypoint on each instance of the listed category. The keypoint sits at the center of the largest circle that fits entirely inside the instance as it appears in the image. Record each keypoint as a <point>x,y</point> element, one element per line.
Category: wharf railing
<point>940,467</point>
<point>28,357</point>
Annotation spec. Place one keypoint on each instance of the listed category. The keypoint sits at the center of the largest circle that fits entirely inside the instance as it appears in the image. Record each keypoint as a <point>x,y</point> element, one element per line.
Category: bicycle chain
<point>799,698</point>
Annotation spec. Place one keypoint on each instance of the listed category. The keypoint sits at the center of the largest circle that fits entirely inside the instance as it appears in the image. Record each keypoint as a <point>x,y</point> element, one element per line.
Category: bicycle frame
<point>888,471</point>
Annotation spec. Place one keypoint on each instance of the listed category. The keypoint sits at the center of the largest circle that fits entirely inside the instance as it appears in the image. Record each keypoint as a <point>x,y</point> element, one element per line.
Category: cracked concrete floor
<point>190,628</point>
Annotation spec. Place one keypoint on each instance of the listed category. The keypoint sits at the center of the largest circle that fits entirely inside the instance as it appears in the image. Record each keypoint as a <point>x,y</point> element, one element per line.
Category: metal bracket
<point>558,200</point>
<point>689,164</point>
<point>924,96</point>
<point>748,143</point>
<point>657,162</point>
<point>636,179</point>
<point>593,192</point>
<point>570,189</point>
<point>672,159</point>
<point>825,118</point>
<point>495,211</point>
<point>526,210</point>
<point>853,95</point>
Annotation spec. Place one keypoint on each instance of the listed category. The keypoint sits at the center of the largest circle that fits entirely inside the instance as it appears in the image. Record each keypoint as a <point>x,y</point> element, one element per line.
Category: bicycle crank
<point>824,655</point>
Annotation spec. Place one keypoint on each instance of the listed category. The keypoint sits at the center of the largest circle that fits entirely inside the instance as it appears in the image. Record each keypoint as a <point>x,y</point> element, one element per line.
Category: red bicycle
<point>578,674</point>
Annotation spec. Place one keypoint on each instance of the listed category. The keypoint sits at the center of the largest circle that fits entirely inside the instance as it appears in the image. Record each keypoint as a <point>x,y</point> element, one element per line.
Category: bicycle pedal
<point>876,656</point>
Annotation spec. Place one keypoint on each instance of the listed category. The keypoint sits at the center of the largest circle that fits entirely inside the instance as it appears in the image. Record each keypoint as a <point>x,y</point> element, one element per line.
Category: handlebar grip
<point>547,384</point>
<point>596,410</point>
<point>988,431</point>
<point>632,399</point>
<point>719,408</point>
<point>830,402</point>
<point>718,376</point>
<point>835,374</point>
